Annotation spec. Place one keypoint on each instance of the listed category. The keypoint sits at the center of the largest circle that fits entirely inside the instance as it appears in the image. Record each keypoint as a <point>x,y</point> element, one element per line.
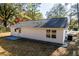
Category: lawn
<point>4,29</point>
<point>26,47</point>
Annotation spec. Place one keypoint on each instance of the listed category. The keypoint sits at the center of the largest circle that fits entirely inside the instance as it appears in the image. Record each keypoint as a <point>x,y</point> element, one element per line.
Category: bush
<point>4,29</point>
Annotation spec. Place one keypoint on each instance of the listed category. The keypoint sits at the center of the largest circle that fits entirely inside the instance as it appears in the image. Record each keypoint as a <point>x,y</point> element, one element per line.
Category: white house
<point>50,30</point>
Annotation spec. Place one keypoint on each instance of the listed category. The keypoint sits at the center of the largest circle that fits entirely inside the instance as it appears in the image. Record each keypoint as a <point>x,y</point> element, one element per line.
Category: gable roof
<point>48,23</point>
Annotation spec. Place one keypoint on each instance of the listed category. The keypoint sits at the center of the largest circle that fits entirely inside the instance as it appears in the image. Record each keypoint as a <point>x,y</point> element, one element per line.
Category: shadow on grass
<point>26,47</point>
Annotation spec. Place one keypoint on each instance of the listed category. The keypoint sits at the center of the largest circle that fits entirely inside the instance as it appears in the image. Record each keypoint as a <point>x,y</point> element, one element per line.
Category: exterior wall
<point>40,34</point>
<point>60,36</point>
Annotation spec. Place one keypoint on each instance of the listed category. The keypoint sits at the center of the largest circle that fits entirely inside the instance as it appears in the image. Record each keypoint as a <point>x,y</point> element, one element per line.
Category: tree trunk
<point>78,13</point>
<point>5,23</point>
<point>70,19</point>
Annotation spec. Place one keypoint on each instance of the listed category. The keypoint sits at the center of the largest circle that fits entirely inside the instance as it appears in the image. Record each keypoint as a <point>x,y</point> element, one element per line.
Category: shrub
<point>4,29</point>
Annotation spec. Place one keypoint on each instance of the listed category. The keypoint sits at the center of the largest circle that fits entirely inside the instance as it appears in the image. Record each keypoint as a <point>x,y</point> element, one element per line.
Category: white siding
<point>60,36</point>
<point>40,34</point>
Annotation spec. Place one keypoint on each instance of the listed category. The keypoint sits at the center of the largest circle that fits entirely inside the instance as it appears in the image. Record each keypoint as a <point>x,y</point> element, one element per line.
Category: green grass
<point>3,29</point>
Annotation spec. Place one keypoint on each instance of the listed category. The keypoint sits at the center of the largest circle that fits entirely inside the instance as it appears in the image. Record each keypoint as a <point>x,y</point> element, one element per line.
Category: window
<point>18,30</point>
<point>48,35</point>
<point>15,30</point>
<point>51,33</point>
<point>53,36</point>
<point>48,31</point>
<point>54,31</point>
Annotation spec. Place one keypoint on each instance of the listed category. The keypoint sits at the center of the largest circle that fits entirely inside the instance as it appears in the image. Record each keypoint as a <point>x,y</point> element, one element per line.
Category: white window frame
<point>50,33</point>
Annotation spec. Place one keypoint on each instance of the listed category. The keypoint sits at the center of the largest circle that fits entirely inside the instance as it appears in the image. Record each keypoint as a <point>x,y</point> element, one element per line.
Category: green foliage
<point>73,24</point>
<point>74,11</point>
<point>23,15</point>
<point>58,10</point>
<point>33,12</point>
<point>8,11</point>
<point>4,29</point>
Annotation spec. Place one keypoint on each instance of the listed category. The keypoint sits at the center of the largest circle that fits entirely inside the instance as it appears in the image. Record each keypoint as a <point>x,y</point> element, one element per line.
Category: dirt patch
<point>3,52</point>
<point>26,48</point>
<point>60,52</point>
<point>5,34</point>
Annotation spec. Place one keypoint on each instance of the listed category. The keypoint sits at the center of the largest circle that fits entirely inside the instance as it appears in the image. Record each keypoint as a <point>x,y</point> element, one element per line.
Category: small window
<point>48,35</point>
<point>51,33</point>
<point>15,30</point>
<point>48,31</point>
<point>54,31</point>
<point>18,30</point>
<point>53,36</point>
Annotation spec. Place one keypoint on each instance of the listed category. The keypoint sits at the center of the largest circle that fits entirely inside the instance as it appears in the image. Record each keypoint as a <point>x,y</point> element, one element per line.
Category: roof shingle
<point>56,23</point>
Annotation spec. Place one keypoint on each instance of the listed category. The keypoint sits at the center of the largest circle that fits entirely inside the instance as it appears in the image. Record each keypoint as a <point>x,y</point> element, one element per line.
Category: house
<point>50,30</point>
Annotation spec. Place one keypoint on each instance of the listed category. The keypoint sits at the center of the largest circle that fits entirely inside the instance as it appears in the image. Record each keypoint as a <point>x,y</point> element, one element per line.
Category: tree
<point>39,16</point>
<point>32,11</point>
<point>22,17</point>
<point>58,10</point>
<point>78,13</point>
<point>7,11</point>
<point>73,24</point>
<point>23,14</point>
<point>74,10</point>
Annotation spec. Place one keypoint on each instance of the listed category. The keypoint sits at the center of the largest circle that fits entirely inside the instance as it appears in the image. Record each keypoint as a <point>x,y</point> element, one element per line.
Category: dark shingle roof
<point>56,23</point>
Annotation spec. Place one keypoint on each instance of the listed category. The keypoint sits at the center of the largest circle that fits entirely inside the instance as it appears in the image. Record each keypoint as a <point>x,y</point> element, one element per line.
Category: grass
<point>3,29</point>
<point>23,47</point>
<point>26,48</point>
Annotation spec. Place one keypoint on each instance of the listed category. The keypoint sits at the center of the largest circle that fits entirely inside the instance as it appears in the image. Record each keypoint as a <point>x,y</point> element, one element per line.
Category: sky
<point>44,7</point>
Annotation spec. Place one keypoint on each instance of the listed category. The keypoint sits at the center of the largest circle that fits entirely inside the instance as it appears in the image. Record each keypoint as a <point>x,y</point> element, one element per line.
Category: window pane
<point>54,31</point>
<point>48,30</point>
<point>19,30</point>
<point>53,36</point>
<point>48,35</point>
<point>15,30</point>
